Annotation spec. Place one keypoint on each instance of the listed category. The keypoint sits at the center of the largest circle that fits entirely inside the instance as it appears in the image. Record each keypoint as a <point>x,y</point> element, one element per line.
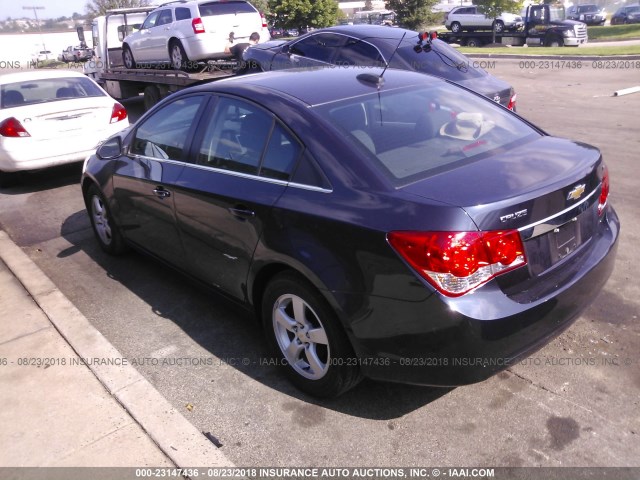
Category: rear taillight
<point>264,20</point>
<point>11,127</point>
<point>197,25</point>
<point>457,262</point>
<point>604,192</point>
<point>118,113</point>
<point>512,101</point>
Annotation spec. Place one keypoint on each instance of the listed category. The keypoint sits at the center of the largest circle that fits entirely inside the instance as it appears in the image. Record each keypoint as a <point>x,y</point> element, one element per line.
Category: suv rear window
<point>225,8</point>
<point>415,132</point>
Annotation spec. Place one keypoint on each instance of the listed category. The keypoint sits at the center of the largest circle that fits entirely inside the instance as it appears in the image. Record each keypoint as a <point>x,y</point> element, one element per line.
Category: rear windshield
<point>47,90</point>
<point>412,133</point>
<point>588,8</point>
<point>442,61</point>
<point>225,8</point>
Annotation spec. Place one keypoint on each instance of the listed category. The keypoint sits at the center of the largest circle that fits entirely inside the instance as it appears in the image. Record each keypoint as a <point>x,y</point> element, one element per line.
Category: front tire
<point>307,338</point>
<point>104,228</point>
<point>554,42</point>
<point>127,58</point>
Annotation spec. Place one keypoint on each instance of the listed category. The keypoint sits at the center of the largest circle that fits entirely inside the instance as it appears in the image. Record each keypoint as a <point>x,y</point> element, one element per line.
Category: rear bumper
<point>465,340</point>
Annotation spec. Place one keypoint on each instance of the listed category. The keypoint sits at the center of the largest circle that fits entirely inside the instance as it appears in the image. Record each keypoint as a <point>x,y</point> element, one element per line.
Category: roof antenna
<point>378,80</point>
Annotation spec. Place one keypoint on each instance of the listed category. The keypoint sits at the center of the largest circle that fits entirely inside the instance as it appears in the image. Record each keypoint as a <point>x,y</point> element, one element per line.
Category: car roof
<point>320,85</point>
<point>37,75</point>
<point>366,31</point>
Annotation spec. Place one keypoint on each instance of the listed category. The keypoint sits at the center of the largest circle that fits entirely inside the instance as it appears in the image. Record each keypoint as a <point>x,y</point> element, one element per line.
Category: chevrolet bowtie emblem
<point>577,192</point>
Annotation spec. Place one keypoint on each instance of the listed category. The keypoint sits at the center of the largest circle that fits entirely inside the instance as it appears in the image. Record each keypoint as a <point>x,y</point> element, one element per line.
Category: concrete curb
<point>173,433</point>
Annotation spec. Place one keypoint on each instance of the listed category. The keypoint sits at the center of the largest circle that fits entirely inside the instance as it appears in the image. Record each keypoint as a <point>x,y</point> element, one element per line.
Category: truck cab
<point>546,25</point>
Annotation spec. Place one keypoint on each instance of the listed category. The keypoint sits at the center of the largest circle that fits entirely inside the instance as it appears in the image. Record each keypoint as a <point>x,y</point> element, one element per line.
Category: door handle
<point>242,212</point>
<point>161,193</point>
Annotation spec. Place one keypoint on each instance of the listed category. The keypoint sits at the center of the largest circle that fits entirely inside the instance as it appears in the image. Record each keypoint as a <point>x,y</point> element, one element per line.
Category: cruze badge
<point>514,215</point>
<point>577,192</point>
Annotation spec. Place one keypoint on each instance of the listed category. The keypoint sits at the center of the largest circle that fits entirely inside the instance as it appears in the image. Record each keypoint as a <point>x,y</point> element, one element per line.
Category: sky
<point>52,8</point>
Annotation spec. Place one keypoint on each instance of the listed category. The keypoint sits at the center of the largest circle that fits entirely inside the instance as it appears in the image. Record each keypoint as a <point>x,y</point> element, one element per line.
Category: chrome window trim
<point>284,183</point>
<point>547,224</point>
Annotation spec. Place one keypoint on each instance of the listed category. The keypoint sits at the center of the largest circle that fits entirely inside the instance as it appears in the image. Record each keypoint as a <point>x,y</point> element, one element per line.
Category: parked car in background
<point>375,45</point>
<point>371,224</point>
<point>184,33</point>
<point>590,14</point>
<point>276,32</point>
<point>52,117</point>
<point>42,55</point>
<point>624,15</point>
<point>75,54</point>
<point>469,18</point>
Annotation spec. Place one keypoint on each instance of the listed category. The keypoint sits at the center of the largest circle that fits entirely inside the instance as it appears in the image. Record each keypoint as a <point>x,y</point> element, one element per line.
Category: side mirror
<point>286,49</point>
<point>110,149</point>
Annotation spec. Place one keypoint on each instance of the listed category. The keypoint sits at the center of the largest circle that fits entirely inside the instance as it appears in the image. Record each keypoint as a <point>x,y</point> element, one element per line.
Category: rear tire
<point>104,228</point>
<point>127,58</point>
<point>307,337</point>
<point>178,57</point>
<point>498,26</point>
<point>456,27</point>
<point>473,43</point>
<point>151,96</point>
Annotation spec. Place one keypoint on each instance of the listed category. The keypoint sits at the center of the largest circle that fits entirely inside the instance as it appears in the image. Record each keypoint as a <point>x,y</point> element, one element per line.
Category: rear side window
<point>47,90</point>
<point>183,13</point>
<point>358,52</point>
<point>225,8</point>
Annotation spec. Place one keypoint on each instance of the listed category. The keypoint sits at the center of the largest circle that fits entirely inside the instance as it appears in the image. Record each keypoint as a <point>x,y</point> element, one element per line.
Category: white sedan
<point>53,117</point>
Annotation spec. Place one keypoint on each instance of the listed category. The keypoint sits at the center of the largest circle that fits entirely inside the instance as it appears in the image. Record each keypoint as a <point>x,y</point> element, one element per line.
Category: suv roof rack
<point>169,3</point>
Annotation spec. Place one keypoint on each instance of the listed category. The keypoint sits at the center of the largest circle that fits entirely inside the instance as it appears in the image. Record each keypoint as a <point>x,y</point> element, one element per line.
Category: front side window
<point>150,21</point>
<point>164,18</point>
<point>321,47</point>
<point>414,132</point>
<point>164,134</point>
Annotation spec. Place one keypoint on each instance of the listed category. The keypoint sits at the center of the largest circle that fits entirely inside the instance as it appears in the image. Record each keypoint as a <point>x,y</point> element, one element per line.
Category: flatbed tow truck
<point>544,25</point>
<point>107,68</point>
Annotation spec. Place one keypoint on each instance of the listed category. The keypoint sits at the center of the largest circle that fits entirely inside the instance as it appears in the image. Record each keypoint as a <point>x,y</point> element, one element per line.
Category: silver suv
<point>183,33</point>
<point>470,18</point>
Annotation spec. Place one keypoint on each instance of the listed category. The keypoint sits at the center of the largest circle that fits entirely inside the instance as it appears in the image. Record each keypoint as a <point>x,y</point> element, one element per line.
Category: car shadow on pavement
<point>230,333</point>
<point>44,179</point>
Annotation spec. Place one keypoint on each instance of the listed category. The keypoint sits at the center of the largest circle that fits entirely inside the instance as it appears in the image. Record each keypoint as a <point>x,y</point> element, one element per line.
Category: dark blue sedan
<point>377,45</point>
<point>399,227</point>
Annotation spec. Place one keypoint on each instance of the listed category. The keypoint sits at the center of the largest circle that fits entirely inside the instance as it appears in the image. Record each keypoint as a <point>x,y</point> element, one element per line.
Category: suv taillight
<point>264,20</point>
<point>12,127</point>
<point>457,262</point>
<point>118,113</point>
<point>197,25</point>
<point>604,192</point>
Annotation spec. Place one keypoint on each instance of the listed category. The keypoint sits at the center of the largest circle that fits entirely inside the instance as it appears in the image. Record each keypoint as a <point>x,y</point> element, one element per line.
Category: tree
<point>95,8</point>
<point>368,5</point>
<point>494,8</point>
<point>261,5</point>
<point>298,14</point>
<point>412,14</point>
